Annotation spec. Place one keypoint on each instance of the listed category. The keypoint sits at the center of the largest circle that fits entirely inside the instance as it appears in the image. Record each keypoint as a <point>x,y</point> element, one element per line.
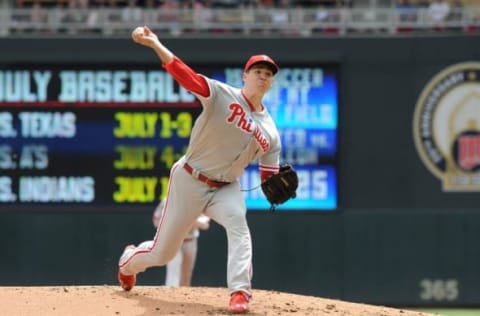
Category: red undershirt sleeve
<point>187,77</point>
<point>265,174</point>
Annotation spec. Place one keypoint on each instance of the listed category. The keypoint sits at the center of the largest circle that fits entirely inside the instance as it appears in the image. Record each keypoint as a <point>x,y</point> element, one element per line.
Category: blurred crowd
<point>132,4</point>
<point>438,8</point>
<point>438,12</point>
<point>439,15</point>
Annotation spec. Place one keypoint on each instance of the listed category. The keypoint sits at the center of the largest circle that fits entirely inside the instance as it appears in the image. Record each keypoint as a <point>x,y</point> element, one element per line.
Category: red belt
<point>203,178</point>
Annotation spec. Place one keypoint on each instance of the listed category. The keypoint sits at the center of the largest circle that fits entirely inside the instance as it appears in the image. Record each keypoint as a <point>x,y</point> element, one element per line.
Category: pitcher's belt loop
<point>203,178</point>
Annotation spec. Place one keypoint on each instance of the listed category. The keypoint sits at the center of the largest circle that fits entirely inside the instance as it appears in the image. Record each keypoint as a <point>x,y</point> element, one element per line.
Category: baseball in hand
<point>138,31</point>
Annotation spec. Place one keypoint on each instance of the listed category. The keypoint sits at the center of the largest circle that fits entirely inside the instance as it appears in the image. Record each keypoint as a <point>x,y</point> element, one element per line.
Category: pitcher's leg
<point>165,245</point>
<point>239,268</point>
<point>184,203</point>
<point>228,209</point>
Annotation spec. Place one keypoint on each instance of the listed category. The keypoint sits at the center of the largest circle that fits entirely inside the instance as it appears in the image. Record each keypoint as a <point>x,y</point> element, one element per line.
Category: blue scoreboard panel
<point>106,135</point>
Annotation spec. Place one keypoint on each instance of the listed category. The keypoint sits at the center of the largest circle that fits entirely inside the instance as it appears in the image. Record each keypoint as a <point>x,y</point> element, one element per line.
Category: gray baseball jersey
<point>227,135</point>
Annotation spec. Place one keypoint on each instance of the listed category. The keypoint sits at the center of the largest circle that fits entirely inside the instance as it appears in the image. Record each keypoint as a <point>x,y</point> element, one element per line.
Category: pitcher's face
<point>259,77</point>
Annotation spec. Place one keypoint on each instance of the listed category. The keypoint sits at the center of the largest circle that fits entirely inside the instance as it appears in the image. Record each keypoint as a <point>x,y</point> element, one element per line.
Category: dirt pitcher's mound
<point>144,300</point>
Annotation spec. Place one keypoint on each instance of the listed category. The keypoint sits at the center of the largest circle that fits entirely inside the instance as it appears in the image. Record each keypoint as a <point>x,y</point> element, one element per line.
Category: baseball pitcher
<point>234,129</point>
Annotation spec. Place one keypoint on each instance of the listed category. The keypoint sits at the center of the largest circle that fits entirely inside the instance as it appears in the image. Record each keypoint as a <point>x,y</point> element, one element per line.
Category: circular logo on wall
<point>446,127</point>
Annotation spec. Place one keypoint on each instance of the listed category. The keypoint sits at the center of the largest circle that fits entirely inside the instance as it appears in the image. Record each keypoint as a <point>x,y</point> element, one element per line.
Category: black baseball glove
<point>281,186</point>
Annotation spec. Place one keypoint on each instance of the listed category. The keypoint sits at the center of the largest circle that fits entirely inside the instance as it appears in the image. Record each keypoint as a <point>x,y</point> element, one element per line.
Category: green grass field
<point>449,311</point>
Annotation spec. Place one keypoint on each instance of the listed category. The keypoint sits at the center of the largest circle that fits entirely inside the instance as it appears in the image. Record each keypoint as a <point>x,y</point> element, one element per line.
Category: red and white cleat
<point>239,302</point>
<point>127,282</point>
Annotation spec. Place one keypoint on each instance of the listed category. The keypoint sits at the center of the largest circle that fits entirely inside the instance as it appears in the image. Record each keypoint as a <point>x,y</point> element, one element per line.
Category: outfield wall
<point>397,238</point>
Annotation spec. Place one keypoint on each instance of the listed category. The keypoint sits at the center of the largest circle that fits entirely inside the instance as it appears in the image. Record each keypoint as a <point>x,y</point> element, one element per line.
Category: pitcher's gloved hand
<point>281,186</point>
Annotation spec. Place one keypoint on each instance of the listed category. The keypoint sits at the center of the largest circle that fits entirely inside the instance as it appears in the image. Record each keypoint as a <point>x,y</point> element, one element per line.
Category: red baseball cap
<point>256,59</point>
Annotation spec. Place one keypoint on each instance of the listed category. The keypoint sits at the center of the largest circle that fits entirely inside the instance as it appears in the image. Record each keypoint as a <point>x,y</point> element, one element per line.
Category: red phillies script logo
<point>243,122</point>
<point>238,114</point>
<point>261,140</point>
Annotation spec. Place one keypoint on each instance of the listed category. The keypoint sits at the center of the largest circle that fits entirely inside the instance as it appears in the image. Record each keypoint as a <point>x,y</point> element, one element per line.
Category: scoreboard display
<point>107,135</point>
